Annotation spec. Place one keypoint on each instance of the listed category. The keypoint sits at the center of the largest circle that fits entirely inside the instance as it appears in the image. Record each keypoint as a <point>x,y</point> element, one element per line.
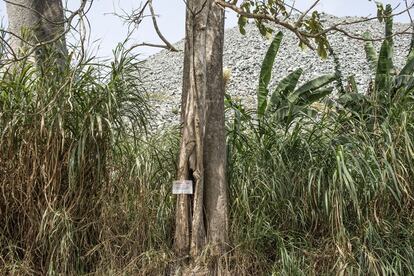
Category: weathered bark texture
<point>23,22</point>
<point>37,21</point>
<point>214,140</point>
<point>202,219</point>
<point>53,24</point>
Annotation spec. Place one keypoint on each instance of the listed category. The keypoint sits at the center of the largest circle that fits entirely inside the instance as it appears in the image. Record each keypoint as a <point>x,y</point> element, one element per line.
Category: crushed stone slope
<point>243,55</point>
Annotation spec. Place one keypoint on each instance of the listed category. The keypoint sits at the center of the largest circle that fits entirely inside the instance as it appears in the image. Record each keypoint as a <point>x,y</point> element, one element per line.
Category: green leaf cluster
<point>311,25</point>
<point>388,85</point>
<point>287,101</point>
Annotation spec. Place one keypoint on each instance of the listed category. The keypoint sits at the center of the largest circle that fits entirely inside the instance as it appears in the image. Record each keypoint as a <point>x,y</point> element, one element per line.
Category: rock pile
<point>243,55</point>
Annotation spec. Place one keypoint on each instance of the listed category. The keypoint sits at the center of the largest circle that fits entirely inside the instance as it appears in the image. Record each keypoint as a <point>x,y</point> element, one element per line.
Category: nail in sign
<point>182,187</point>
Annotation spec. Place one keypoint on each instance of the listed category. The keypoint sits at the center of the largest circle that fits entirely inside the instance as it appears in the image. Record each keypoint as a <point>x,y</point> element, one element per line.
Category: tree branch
<point>266,17</point>
<point>169,46</point>
<point>299,21</point>
<point>153,45</point>
<point>303,35</point>
<point>136,17</point>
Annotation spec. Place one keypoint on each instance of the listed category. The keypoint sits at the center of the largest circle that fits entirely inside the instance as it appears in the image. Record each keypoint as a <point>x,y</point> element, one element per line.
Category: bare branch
<point>299,21</point>
<point>136,18</point>
<point>154,22</point>
<point>153,45</point>
<point>408,10</point>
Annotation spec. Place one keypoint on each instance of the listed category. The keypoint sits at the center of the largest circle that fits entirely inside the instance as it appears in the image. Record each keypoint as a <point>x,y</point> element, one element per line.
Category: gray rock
<point>243,56</point>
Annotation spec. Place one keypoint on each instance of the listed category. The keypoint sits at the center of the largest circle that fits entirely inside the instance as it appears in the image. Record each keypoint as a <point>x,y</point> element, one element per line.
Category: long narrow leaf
<point>309,98</point>
<point>370,52</point>
<point>389,24</point>
<point>352,85</point>
<point>408,69</point>
<point>384,66</point>
<point>285,86</point>
<point>289,83</point>
<point>266,73</point>
<point>311,86</point>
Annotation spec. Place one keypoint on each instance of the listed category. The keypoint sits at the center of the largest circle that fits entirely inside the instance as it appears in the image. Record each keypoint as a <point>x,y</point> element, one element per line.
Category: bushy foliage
<point>78,177</point>
<point>324,198</point>
<point>333,193</point>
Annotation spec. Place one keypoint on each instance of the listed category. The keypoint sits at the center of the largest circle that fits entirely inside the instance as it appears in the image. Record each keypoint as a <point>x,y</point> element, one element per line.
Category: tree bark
<point>216,202</point>
<point>53,25</point>
<point>24,23</point>
<point>202,219</point>
<point>37,21</point>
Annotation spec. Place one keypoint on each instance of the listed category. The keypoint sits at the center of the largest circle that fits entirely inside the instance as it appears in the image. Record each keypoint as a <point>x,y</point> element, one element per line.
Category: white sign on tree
<point>182,187</point>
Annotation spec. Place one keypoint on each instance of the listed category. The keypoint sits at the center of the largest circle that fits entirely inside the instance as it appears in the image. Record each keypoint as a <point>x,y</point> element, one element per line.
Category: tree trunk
<point>37,21</point>
<point>24,24</point>
<point>53,26</point>
<point>202,219</point>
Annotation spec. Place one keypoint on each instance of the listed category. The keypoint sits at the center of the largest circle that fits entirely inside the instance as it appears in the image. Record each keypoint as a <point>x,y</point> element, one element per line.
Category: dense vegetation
<point>317,185</point>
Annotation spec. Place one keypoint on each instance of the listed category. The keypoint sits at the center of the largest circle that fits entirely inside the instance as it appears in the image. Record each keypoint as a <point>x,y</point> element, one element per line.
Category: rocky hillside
<point>243,55</point>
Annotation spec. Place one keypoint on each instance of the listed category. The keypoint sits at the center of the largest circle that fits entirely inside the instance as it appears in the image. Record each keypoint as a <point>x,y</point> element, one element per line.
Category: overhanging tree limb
<point>305,36</point>
<point>266,17</point>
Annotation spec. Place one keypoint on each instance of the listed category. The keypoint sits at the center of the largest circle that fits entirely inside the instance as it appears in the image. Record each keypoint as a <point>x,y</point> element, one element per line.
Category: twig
<point>297,24</point>
<point>153,45</point>
<point>266,17</point>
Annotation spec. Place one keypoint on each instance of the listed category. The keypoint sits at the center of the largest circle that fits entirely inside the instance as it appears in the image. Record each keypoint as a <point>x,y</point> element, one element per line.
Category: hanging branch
<point>305,32</point>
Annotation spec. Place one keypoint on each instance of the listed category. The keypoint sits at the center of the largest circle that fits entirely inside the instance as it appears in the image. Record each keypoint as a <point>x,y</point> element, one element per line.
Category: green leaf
<point>285,86</point>
<point>380,11</point>
<point>402,80</point>
<point>352,85</point>
<point>311,86</point>
<point>370,52</point>
<point>309,98</point>
<point>388,23</point>
<point>384,60</point>
<point>242,23</point>
<point>266,73</point>
<point>384,66</point>
<point>338,72</point>
<point>408,69</point>
<point>289,83</point>
<point>351,99</point>
<point>411,49</point>
<point>410,85</point>
<point>322,50</point>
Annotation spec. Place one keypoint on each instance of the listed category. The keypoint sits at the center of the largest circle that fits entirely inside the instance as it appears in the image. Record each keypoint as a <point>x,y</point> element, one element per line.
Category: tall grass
<point>329,196</point>
<point>81,185</point>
